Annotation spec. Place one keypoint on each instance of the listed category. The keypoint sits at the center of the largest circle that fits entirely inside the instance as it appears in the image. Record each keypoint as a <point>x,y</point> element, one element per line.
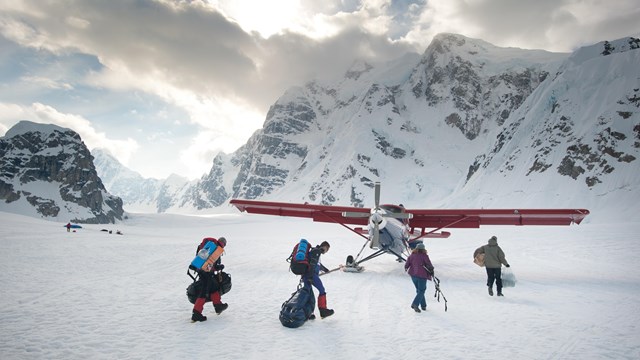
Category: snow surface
<point>92,295</point>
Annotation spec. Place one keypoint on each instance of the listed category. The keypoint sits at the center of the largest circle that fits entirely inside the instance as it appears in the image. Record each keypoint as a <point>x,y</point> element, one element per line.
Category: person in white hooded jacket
<point>493,260</point>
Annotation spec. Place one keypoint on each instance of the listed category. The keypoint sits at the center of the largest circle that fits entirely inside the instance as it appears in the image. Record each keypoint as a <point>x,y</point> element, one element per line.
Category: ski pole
<point>438,292</point>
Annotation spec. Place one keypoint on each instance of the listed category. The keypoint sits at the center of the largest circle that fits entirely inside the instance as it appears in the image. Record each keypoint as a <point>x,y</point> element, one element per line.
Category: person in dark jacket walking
<point>208,284</point>
<point>312,277</point>
<point>419,266</point>
<point>493,260</point>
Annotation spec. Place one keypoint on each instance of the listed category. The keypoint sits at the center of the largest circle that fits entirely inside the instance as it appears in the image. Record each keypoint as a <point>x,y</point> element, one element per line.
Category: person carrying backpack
<point>208,285</point>
<point>312,277</point>
<point>493,259</point>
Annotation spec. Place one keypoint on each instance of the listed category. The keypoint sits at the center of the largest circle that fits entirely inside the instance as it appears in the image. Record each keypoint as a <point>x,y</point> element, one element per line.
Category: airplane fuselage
<point>393,232</point>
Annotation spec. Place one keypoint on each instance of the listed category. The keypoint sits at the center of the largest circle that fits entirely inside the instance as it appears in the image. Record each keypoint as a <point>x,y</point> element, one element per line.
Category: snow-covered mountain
<point>465,124</point>
<point>47,171</point>
<point>139,194</point>
<point>575,138</point>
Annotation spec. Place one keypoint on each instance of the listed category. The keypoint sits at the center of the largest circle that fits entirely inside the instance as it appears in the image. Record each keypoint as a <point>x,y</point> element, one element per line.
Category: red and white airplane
<point>392,229</point>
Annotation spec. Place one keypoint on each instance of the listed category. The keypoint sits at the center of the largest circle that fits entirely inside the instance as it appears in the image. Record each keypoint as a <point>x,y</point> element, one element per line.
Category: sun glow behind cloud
<point>225,123</point>
<point>265,17</point>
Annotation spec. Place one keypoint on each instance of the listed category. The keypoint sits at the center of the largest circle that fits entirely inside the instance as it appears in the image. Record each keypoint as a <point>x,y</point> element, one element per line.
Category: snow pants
<point>205,293</point>
<point>494,274</point>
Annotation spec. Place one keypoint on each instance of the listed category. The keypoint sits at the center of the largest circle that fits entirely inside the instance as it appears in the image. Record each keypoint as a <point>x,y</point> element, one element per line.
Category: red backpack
<point>205,241</point>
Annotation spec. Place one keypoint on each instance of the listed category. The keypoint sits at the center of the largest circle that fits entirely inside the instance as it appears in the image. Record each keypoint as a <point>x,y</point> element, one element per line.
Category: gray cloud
<point>192,46</point>
<point>555,25</point>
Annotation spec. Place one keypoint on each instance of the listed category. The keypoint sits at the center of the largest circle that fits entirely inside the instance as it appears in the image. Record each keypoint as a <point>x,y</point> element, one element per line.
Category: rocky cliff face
<point>481,83</point>
<point>50,170</point>
<point>329,142</point>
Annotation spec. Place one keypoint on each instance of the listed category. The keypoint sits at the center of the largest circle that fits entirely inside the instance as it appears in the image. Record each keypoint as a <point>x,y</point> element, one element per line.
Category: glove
<point>508,265</point>
<point>218,267</point>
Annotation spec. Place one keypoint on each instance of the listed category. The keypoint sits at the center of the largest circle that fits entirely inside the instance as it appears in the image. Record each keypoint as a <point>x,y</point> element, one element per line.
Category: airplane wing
<point>322,213</point>
<point>474,218</point>
<point>422,218</point>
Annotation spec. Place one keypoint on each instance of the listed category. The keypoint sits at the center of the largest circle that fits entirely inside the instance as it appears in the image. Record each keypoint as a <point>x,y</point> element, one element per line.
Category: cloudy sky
<point>165,85</point>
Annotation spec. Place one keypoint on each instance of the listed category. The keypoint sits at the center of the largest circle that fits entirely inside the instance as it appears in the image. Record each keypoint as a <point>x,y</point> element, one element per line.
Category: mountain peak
<point>605,48</point>
<point>26,126</point>
<point>357,69</point>
<point>48,171</point>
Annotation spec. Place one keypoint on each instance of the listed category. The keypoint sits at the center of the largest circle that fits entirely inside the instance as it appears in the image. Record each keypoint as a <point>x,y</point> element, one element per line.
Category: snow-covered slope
<point>577,138</point>
<point>139,194</point>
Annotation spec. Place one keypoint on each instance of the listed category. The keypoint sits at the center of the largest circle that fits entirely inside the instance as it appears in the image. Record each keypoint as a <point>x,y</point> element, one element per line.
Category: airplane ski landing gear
<point>349,261</point>
<point>352,266</point>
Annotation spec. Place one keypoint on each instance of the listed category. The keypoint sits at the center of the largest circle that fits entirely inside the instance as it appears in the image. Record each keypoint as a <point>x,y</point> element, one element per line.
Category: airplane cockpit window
<point>394,209</point>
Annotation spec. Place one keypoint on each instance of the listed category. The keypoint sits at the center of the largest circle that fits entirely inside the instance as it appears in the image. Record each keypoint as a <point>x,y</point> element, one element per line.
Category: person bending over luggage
<point>312,277</point>
<point>493,260</point>
<point>209,287</point>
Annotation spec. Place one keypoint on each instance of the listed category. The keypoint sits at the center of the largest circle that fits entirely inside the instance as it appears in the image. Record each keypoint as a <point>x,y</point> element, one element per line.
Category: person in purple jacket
<point>419,266</point>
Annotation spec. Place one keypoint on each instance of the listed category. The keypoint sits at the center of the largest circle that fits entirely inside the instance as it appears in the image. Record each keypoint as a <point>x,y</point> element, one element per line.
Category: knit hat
<point>222,241</point>
<point>420,246</point>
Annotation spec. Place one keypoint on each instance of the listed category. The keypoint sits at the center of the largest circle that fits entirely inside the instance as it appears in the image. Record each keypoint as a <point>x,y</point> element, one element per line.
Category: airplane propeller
<point>377,217</point>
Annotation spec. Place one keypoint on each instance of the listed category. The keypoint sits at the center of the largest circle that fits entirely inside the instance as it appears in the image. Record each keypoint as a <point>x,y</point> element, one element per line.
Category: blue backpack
<point>299,258</point>
<point>298,308</point>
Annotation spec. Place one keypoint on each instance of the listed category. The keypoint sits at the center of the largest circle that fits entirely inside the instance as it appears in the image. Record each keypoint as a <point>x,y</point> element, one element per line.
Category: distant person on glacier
<point>68,227</point>
<point>419,266</point>
<point>208,289</point>
<point>494,258</point>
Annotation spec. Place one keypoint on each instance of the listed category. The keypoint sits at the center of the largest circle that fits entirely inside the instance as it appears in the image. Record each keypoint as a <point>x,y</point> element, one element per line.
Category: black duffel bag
<point>220,282</point>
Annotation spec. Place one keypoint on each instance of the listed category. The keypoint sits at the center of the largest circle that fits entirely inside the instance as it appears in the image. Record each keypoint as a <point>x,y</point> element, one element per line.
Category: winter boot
<point>415,308</point>
<point>500,293</point>
<point>326,312</point>
<point>322,306</point>
<point>217,303</point>
<point>196,316</point>
<point>220,308</point>
<point>490,290</point>
<point>311,317</point>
